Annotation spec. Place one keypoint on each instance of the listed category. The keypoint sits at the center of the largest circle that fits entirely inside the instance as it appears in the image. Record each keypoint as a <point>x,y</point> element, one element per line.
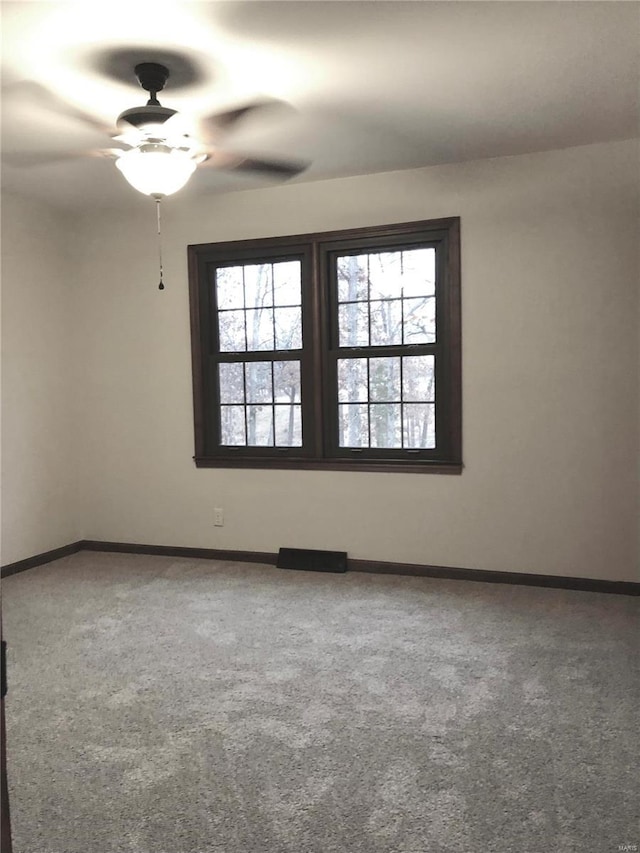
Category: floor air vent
<point>312,561</point>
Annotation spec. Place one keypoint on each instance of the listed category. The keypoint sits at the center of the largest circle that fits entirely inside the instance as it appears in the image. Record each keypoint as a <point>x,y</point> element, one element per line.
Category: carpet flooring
<point>161,705</point>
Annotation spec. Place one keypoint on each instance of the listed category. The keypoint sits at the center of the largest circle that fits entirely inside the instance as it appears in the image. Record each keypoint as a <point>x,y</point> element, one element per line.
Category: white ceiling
<point>376,86</point>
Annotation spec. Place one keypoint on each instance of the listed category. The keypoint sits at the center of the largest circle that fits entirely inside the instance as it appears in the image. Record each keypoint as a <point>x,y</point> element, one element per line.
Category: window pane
<point>231,383</point>
<point>419,425</point>
<point>352,379</point>
<point>385,275</point>
<point>420,320</point>
<point>288,426</point>
<point>258,381</point>
<point>353,324</point>
<point>229,289</point>
<point>385,425</point>
<point>386,323</point>
<point>232,428</point>
<point>384,379</point>
<point>231,331</point>
<point>418,378</point>
<point>258,285</point>
<point>353,282</point>
<point>353,425</point>
<point>260,329</point>
<point>286,283</point>
<point>260,426</point>
<point>419,272</point>
<point>288,328</point>
<point>286,381</point>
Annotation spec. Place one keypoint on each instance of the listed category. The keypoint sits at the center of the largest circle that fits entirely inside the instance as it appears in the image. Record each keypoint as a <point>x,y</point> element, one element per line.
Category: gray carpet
<point>160,705</point>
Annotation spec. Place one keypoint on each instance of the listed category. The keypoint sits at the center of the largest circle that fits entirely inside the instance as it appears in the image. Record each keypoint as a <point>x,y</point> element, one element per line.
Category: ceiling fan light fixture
<point>156,170</point>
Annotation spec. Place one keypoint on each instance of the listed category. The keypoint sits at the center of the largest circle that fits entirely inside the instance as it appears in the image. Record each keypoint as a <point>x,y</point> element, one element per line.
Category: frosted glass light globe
<point>156,170</point>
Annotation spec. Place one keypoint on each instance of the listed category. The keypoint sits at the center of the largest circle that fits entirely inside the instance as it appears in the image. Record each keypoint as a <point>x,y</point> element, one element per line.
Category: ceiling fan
<point>155,149</point>
<point>153,146</point>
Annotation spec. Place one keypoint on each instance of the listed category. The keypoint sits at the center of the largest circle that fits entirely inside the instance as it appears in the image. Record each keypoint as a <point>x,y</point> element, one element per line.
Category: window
<point>332,350</point>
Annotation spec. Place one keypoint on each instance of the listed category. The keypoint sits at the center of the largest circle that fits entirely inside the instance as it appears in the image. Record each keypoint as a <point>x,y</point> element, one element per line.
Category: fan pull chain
<point>161,285</point>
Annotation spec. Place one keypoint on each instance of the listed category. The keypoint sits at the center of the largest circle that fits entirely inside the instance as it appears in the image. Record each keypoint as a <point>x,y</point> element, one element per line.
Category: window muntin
<point>260,404</point>
<point>329,349</point>
<point>259,307</point>
<point>387,298</point>
<point>387,402</point>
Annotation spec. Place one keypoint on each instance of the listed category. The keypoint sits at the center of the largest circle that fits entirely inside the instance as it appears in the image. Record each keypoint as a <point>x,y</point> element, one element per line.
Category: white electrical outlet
<point>218,517</point>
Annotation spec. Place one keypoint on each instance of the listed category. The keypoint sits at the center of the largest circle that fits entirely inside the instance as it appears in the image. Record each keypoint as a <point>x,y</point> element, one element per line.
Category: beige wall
<point>550,375</point>
<point>39,420</point>
<point>550,302</point>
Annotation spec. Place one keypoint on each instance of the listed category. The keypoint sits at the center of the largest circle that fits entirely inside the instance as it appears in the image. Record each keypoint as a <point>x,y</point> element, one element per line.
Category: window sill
<point>332,465</point>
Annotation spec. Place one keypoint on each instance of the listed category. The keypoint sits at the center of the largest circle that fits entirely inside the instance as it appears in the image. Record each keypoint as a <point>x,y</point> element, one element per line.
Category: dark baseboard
<point>372,566</point>
<point>484,576</point>
<point>40,559</point>
<point>180,551</point>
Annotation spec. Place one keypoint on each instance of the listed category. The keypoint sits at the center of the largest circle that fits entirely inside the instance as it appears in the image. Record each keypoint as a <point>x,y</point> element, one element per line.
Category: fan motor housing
<point>141,116</point>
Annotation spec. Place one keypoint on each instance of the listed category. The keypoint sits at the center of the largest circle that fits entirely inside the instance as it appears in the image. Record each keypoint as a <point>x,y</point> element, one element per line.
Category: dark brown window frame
<point>319,352</point>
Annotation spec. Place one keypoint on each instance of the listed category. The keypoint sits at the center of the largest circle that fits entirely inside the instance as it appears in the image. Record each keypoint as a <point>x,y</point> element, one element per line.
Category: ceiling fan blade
<point>31,159</point>
<point>177,124</point>
<point>29,92</point>
<point>246,163</point>
<point>226,120</point>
